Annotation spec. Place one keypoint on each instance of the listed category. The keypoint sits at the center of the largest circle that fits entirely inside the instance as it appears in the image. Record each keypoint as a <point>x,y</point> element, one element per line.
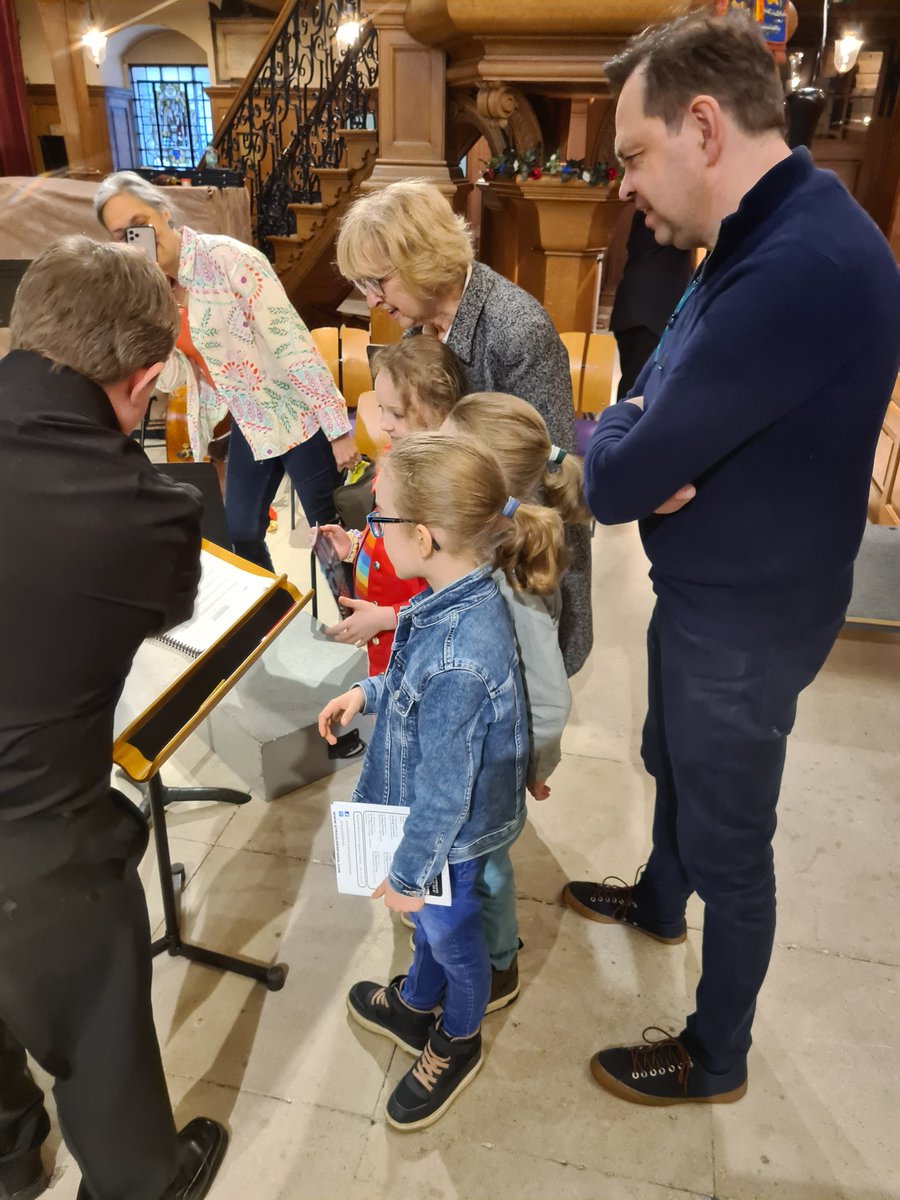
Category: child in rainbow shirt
<point>417,383</point>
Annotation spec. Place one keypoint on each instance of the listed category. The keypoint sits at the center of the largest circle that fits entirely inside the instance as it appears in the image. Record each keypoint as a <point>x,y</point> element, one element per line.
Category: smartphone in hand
<point>336,572</point>
<point>142,237</point>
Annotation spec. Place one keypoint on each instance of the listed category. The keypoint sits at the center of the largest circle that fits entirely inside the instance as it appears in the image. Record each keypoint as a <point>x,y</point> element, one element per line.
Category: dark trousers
<point>75,973</point>
<point>635,347</point>
<point>714,741</point>
<point>250,487</point>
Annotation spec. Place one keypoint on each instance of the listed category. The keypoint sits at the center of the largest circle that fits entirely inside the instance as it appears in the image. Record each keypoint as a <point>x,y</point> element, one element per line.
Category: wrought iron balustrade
<point>285,123</point>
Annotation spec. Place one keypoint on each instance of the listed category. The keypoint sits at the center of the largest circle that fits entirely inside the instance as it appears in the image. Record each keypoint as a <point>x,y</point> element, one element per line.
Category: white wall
<point>189,18</point>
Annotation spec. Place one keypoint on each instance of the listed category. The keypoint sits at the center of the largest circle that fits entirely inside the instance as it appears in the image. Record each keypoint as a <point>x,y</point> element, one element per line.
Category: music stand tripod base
<point>274,975</point>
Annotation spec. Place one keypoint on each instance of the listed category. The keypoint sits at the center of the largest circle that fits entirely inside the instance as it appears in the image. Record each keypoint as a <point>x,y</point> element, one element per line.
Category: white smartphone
<point>142,237</point>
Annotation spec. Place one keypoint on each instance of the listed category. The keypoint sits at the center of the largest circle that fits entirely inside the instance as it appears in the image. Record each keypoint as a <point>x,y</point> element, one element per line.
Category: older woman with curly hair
<point>243,349</point>
<point>411,256</point>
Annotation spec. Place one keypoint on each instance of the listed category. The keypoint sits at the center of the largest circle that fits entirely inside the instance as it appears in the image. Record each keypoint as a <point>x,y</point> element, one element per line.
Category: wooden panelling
<point>44,118</point>
<point>884,493</point>
<point>120,120</point>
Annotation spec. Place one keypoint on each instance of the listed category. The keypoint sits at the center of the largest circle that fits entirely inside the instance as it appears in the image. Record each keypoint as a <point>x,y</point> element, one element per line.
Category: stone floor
<point>303,1089</point>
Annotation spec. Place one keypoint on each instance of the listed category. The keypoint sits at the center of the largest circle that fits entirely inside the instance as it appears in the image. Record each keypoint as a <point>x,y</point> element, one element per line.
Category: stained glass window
<point>172,115</point>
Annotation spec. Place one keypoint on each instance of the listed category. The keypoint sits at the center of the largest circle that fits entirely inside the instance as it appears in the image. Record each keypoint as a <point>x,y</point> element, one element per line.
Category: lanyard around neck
<point>688,292</point>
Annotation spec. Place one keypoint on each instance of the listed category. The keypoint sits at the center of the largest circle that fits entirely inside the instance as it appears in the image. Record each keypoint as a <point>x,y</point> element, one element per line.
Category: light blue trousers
<point>496,889</point>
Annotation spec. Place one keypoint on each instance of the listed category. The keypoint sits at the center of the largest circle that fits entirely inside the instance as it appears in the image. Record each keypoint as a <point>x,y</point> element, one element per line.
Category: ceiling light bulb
<point>95,41</point>
<point>347,32</point>
<point>846,52</point>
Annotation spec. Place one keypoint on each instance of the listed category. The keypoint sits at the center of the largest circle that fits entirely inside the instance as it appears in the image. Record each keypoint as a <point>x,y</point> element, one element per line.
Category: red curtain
<point>15,141</point>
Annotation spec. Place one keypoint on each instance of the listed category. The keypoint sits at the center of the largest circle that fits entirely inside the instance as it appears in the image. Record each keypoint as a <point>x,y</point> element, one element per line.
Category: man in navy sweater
<point>767,390</point>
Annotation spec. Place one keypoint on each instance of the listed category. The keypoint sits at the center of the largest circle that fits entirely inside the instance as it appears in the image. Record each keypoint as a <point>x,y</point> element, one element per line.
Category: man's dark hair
<point>102,309</point>
<point>699,55</point>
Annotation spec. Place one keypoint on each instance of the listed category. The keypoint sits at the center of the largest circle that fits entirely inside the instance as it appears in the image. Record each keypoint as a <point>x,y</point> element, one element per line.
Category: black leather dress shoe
<point>26,1179</point>
<point>201,1147</point>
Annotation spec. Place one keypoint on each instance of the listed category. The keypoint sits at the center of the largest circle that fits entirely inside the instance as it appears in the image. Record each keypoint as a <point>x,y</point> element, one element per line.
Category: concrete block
<point>265,728</point>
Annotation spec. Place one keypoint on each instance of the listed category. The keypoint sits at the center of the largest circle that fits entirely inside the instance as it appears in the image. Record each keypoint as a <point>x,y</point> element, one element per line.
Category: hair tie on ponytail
<point>509,507</point>
<point>557,454</point>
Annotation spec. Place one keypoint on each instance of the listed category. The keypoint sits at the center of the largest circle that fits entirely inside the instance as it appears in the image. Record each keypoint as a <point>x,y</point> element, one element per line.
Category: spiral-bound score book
<point>226,592</point>
<point>178,677</point>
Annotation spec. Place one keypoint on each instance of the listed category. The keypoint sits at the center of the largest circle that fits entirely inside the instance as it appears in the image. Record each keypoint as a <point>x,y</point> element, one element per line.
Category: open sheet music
<point>226,592</point>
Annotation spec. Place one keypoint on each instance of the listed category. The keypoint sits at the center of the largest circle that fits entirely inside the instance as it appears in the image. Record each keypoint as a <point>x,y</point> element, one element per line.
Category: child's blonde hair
<point>452,482</point>
<point>517,435</point>
<point>425,371</point>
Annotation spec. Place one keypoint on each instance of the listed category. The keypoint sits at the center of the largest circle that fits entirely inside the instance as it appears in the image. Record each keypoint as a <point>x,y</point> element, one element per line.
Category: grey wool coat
<point>507,343</point>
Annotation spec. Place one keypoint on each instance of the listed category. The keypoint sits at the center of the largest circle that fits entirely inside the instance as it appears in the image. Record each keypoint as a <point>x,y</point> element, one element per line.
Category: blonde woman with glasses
<point>411,256</point>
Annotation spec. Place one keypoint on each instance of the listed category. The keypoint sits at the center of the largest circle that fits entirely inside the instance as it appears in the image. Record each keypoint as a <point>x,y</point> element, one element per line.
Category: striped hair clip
<point>557,454</point>
<point>509,507</point>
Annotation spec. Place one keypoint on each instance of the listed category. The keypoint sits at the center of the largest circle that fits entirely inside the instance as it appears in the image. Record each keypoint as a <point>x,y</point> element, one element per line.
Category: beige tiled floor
<point>303,1089</point>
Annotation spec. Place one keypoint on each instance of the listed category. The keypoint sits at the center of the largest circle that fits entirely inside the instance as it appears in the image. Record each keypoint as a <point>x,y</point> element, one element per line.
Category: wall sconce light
<point>348,25</point>
<point>795,61</point>
<point>95,41</point>
<point>846,52</point>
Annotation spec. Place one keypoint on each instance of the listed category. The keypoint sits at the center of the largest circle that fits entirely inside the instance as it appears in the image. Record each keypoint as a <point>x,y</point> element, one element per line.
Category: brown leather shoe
<point>662,1072</point>
<point>612,903</point>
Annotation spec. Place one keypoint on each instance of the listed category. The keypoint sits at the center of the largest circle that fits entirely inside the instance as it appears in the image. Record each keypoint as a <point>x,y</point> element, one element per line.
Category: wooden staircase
<point>304,260</point>
<point>302,129</point>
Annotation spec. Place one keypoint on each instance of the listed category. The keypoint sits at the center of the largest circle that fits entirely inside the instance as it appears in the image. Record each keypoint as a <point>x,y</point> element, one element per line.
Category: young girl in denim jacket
<point>450,741</point>
<point>417,382</point>
<point>541,473</point>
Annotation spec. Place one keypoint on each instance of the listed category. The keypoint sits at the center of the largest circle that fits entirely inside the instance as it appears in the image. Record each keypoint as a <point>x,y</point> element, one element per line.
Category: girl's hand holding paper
<point>395,901</point>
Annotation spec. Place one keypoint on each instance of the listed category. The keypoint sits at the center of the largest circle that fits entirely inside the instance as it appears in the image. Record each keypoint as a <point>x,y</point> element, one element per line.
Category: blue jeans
<point>497,892</point>
<point>250,487</point>
<point>450,964</point>
<point>714,740</point>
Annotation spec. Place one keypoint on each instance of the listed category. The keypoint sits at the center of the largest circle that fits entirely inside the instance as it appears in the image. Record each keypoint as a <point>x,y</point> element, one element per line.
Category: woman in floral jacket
<point>252,356</point>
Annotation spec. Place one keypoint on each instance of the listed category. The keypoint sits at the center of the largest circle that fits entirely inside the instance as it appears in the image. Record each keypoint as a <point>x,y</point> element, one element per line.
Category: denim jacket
<point>451,733</point>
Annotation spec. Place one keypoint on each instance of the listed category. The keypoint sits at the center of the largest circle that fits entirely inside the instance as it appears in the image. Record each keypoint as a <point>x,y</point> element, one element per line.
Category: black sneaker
<point>444,1068</point>
<point>612,903</point>
<point>25,1178</point>
<point>504,986</point>
<point>662,1072</point>
<point>380,1008</point>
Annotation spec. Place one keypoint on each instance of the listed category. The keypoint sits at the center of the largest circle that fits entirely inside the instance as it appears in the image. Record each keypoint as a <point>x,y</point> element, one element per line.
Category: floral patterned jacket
<point>266,368</point>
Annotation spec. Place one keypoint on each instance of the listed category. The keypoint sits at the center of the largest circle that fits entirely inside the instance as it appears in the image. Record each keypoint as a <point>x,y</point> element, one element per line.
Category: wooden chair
<point>370,439</point>
<point>355,374</point>
<point>344,351</point>
<point>575,344</point>
<point>884,493</point>
<point>328,343</point>
<point>592,364</point>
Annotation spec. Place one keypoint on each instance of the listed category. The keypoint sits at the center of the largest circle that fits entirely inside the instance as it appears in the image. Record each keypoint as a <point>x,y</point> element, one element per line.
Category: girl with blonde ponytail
<point>536,471</point>
<point>450,742</point>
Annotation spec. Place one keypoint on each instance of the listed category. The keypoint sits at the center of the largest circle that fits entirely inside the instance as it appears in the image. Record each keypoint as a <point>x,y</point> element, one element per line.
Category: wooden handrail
<point>287,10</point>
<point>366,33</point>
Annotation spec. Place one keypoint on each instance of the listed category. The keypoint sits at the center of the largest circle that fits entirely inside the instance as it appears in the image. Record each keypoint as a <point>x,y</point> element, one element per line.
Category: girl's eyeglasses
<point>376,523</point>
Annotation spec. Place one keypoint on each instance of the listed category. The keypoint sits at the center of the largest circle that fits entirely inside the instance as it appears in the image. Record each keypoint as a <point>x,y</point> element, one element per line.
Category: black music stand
<point>172,874</point>
<point>146,744</point>
<point>214,527</point>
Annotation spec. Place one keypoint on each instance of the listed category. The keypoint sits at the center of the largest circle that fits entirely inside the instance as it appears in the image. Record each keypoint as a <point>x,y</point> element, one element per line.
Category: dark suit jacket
<point>507,343</point>
<point>98,550</point>
<point>652,282</point>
